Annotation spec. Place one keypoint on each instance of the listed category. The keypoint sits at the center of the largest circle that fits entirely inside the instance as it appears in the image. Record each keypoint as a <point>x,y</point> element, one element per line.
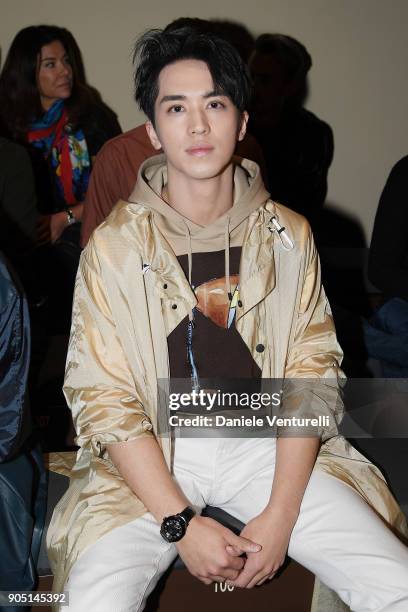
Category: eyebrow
<point>176,97</point>
<point>52,57</point>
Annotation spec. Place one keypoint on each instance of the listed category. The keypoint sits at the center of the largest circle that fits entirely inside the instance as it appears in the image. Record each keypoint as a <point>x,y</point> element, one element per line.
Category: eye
<point>177,108</point>
<point>215,104</point>
<point>49,64</point>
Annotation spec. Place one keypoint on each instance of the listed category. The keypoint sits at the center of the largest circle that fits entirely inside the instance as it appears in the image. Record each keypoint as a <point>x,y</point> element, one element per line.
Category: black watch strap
<point>187,514</point>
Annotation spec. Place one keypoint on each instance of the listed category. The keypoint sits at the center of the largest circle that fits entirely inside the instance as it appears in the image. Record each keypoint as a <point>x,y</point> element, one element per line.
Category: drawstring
<point>227,259</point>
<point>190,264</point>
<point>195,381</point>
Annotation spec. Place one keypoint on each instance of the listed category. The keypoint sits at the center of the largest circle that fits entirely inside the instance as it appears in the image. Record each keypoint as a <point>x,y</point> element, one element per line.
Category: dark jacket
<point>14,363</point>
<point>18,212</point>
<point>388,262</point>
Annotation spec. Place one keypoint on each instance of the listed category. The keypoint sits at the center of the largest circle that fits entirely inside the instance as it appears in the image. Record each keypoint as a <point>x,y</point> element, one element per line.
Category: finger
<point>244,544</point>
<point>236,564</point>
<point>245,577</point>
<point>233,551</point>
<point>259,577</point>
<point>206,581</point>
<point>267,578</point>
<point>225,574</point>
<point>215,578</point>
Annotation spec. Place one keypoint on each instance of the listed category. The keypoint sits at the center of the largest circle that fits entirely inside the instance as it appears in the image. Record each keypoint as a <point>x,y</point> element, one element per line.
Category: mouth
<point>200,150</point>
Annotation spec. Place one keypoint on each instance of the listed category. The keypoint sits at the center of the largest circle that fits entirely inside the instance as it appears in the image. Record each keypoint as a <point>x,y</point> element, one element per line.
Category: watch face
<point>173,528</point>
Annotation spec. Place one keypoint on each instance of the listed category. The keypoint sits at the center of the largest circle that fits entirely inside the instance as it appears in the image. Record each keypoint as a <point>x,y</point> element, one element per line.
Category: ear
<point>154,139</point>
<point>243,126</point>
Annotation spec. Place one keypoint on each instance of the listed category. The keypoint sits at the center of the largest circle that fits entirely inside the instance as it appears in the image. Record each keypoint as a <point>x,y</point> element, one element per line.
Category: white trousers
<point>337,536</point>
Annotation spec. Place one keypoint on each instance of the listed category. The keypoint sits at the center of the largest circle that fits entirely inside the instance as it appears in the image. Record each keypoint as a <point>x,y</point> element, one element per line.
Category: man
<point>155,299</point>
<point>115,170</point>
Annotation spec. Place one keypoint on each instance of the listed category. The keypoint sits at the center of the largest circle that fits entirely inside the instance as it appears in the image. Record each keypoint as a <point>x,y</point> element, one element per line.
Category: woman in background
<point>46,105</point>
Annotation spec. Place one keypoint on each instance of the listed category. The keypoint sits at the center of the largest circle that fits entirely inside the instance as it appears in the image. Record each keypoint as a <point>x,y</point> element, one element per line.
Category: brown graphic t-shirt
<point>217,348</point>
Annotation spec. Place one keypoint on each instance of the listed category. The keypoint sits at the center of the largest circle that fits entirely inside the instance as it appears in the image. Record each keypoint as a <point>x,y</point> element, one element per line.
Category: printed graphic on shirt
<point>214,301</point>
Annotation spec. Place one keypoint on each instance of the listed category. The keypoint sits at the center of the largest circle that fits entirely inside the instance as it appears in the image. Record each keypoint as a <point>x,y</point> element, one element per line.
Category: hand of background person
<point>59,222</point>
<point>204,550</point>
<point>43,229</point>
<point>272,529</point>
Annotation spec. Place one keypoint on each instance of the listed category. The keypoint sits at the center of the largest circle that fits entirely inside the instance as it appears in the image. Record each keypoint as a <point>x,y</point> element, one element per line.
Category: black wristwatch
<point>174,527</point>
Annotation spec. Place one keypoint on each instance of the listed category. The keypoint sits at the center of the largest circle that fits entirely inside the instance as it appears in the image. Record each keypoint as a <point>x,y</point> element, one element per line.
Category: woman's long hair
<point>20,102</point>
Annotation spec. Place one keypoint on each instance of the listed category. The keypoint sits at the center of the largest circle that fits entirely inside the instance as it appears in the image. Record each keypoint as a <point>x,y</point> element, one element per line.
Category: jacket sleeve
<point>99,387</point>
<point>313,378</point>
<point>15,420</point>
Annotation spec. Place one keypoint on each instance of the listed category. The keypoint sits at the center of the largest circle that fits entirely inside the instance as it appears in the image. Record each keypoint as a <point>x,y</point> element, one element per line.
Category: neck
<point>46,103</point>
<point>200,200</point>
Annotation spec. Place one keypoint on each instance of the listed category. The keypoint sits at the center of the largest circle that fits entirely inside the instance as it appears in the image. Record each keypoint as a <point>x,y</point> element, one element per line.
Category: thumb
<point>245,545</point>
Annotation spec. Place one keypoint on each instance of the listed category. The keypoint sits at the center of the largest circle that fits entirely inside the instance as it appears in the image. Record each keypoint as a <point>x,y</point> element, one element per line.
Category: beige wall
<point>358,81</point>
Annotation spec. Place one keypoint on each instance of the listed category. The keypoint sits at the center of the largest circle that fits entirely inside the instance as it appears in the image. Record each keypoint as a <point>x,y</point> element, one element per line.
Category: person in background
<point>22,474</point>
<point>297,146</point>
<point>117,165</point>
<point>386,333</point>
<point>18,210</point>
<point>46,106</point>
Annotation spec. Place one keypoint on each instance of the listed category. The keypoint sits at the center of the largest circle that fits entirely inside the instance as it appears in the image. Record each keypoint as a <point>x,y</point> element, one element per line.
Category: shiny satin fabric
<point>128,285</point>
<point>14,364</point>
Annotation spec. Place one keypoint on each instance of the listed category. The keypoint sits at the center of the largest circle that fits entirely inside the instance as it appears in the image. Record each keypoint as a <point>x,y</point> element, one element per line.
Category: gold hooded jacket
<point>131,293</point>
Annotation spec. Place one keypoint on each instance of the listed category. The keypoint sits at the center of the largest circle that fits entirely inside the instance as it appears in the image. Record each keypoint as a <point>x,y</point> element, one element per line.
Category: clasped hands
<point>212,552</point>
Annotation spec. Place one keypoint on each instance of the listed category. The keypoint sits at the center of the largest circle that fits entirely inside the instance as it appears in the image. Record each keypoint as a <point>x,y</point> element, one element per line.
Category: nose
<point>199,122</point>
<point>66,69</point>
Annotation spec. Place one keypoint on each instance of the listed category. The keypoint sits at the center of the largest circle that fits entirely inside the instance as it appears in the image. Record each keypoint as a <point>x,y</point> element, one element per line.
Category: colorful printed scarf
<point>66,150</point>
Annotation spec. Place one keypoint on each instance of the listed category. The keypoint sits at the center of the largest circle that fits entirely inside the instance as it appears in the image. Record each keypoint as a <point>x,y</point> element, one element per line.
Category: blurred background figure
<point>297,146</point>
<point>22,474</point>
<point>18,211</point>
<point>386,333</point>
<point>46,105</point>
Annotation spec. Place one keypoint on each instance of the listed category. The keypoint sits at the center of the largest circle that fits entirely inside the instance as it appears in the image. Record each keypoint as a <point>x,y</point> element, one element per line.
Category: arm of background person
<point>106,187</point>
<point>18,210</point>
<point>388,260</point>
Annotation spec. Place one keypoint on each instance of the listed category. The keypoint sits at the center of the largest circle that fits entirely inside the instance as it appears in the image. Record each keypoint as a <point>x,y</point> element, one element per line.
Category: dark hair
<point>233,32</point>
<point>20,101</point>
<point>291,54</point>
<point>159,48</point>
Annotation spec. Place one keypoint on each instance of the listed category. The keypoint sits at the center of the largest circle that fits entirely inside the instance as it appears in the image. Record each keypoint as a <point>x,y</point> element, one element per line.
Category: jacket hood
<point>249,194</point>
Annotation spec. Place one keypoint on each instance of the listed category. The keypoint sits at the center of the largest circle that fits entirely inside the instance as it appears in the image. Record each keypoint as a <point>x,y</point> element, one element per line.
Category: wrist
<point>174,526</point>
<point>287,513</point>
<point>71,219</point>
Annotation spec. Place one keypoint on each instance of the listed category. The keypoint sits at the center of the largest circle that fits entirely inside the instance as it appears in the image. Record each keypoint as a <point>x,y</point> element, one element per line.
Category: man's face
<point>196,128</point>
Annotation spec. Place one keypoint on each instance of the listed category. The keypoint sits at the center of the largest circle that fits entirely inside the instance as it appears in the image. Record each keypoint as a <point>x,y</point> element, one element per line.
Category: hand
<point>272,529</point>
<point>204,550</point>
<point>59,222</point>
<point>43,229</point>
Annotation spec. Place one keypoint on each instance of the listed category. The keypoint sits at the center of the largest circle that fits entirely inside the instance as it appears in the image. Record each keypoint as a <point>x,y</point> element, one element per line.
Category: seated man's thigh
<point>343,541</point>
<point>119,571</point>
